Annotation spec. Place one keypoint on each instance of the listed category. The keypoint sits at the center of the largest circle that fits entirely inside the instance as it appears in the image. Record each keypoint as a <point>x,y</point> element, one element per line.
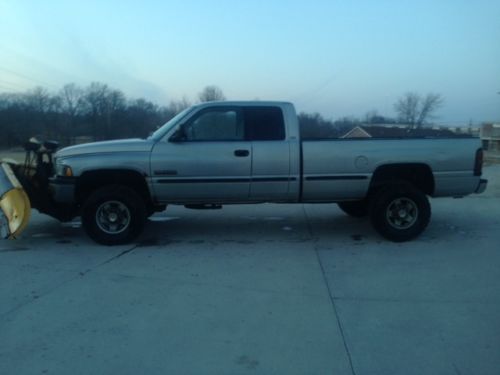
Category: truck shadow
<point>284,224</point>
<point>257,227</point>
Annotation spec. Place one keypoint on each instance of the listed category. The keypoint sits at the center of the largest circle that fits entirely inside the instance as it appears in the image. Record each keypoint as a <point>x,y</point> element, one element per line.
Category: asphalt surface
<point>263,289</point>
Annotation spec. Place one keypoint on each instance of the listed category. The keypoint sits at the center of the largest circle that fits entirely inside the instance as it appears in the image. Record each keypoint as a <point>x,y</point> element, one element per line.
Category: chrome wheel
<point>113,217</point>
<point>402,213</point>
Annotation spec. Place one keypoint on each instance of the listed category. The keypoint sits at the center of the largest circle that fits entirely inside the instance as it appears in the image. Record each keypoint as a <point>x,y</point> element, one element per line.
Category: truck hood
<point>121,145</point>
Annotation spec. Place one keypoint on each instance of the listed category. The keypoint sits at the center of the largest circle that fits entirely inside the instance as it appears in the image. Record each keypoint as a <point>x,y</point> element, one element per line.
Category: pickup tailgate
<point>15,205</point>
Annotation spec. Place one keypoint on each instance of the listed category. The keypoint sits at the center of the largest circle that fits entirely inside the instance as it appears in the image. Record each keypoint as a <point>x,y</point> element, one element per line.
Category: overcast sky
<point>338,58</point>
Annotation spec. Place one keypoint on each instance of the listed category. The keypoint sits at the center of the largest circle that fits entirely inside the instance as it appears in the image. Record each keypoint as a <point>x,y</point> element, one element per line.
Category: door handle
<point>241,153</point>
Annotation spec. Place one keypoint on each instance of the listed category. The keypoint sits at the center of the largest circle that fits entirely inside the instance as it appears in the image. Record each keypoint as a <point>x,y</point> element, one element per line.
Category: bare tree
<point>94,99</point>
<point>43,108</point>
<point>407,108</point>
<point>211,93</point>
<point>429,105</point>
<point>97,110</point>
<point>72,97</point>
<point>38,100</point>
<point>102,103</point>
<point>415,111</point>
<point>140,118</point>
<point>71,104</point>
<point>177,106</point>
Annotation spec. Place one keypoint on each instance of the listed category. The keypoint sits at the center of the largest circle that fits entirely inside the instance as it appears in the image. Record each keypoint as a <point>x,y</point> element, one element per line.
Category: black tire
<point>400,212</point>
<point>355,208</point>
<point>114,215</point>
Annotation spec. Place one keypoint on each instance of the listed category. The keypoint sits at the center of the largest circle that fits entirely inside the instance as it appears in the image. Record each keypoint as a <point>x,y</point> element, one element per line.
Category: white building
<point>490,136</point>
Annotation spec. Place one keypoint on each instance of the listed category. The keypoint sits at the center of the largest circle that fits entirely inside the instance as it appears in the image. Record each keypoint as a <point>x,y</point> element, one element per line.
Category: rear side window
<point>264,123</point>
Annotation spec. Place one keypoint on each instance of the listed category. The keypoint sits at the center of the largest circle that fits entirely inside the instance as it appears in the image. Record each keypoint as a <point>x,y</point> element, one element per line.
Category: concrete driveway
<point>265,289</point>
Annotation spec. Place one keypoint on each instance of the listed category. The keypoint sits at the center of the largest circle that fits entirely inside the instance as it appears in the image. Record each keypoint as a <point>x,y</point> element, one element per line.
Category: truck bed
<point>343,168</point>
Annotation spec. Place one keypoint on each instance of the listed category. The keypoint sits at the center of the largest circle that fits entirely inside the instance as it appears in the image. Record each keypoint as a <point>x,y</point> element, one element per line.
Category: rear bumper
<point>62,189</point>
<point>481,187</point>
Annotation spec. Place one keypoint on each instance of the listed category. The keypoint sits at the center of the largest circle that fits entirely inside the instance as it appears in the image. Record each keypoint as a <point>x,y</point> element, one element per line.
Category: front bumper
<point>481,187</point>
<point>62,189</point>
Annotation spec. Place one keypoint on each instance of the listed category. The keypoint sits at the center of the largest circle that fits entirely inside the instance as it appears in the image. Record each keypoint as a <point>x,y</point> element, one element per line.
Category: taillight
<point>478,163</point>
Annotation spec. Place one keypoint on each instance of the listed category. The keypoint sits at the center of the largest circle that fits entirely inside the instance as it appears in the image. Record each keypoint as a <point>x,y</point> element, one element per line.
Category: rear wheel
<point>114,215</point>
<point>400,212</point>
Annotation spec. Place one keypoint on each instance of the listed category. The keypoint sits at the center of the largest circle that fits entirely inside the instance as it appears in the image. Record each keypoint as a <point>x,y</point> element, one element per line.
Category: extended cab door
<point>210,162</point>
<point>265,126</point>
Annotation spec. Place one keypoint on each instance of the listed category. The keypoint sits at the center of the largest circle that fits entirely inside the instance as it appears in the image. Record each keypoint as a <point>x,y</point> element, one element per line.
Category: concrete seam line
<point>124,252</point>
<point>80,275</point>
<point>332,301</point>
<point>309,227</point>
<point>39,297</point>
<point>335,311</point>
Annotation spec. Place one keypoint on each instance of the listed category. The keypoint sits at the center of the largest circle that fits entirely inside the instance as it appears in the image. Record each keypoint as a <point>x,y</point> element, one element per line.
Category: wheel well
<point>92,180</point>
<point>419,175</point>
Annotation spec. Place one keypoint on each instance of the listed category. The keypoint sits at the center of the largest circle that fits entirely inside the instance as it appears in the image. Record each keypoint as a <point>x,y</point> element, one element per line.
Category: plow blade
<point>15,205</point>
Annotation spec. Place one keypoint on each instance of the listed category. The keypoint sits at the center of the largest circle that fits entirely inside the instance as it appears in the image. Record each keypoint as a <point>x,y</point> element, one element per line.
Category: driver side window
<point>215,124</point>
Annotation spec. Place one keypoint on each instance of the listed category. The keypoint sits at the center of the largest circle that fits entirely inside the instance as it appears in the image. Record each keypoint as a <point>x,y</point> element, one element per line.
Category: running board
<point>203,206</point>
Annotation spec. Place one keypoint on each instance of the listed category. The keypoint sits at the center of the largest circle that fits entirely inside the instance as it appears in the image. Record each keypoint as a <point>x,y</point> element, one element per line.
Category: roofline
<point>243,103</point>
<point>353,129</point>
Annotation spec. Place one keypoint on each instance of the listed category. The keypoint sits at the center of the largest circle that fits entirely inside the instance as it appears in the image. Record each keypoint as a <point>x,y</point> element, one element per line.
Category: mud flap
<point>15,208</point>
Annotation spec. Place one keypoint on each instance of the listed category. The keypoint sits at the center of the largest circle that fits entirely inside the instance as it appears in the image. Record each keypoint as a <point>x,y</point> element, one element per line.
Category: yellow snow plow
<point>26,186</point>
<point>15,205</point>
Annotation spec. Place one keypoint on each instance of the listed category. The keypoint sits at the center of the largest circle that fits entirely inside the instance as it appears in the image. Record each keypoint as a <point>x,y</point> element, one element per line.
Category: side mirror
<point>178,136</point>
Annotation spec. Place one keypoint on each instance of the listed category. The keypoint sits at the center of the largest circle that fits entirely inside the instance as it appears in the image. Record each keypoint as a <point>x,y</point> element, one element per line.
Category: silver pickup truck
<point>220,153</point>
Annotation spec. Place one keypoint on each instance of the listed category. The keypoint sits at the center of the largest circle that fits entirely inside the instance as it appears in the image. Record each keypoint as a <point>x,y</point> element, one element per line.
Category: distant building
<point>357,132</point>
<point>490,136</point>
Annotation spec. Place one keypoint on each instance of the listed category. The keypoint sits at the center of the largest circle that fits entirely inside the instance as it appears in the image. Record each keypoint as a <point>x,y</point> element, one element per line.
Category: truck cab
<point>228,152</point>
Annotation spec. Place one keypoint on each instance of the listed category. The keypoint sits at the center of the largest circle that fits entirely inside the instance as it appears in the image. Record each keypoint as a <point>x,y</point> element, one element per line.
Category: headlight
<point>64,170</point>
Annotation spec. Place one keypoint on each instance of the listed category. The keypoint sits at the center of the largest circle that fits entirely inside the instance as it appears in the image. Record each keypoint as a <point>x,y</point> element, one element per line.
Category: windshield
<point>158,133</point>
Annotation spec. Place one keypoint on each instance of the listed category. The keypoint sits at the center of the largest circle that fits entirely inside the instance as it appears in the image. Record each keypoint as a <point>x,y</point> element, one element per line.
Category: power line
<point>10,84</point>
<point>26,77</point>
<point>9,88</point>
<point>309,95</point>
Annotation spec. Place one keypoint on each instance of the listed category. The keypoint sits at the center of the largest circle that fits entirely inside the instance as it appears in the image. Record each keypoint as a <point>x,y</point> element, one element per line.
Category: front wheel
<point>400,212</point>
<point>113,215</point>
